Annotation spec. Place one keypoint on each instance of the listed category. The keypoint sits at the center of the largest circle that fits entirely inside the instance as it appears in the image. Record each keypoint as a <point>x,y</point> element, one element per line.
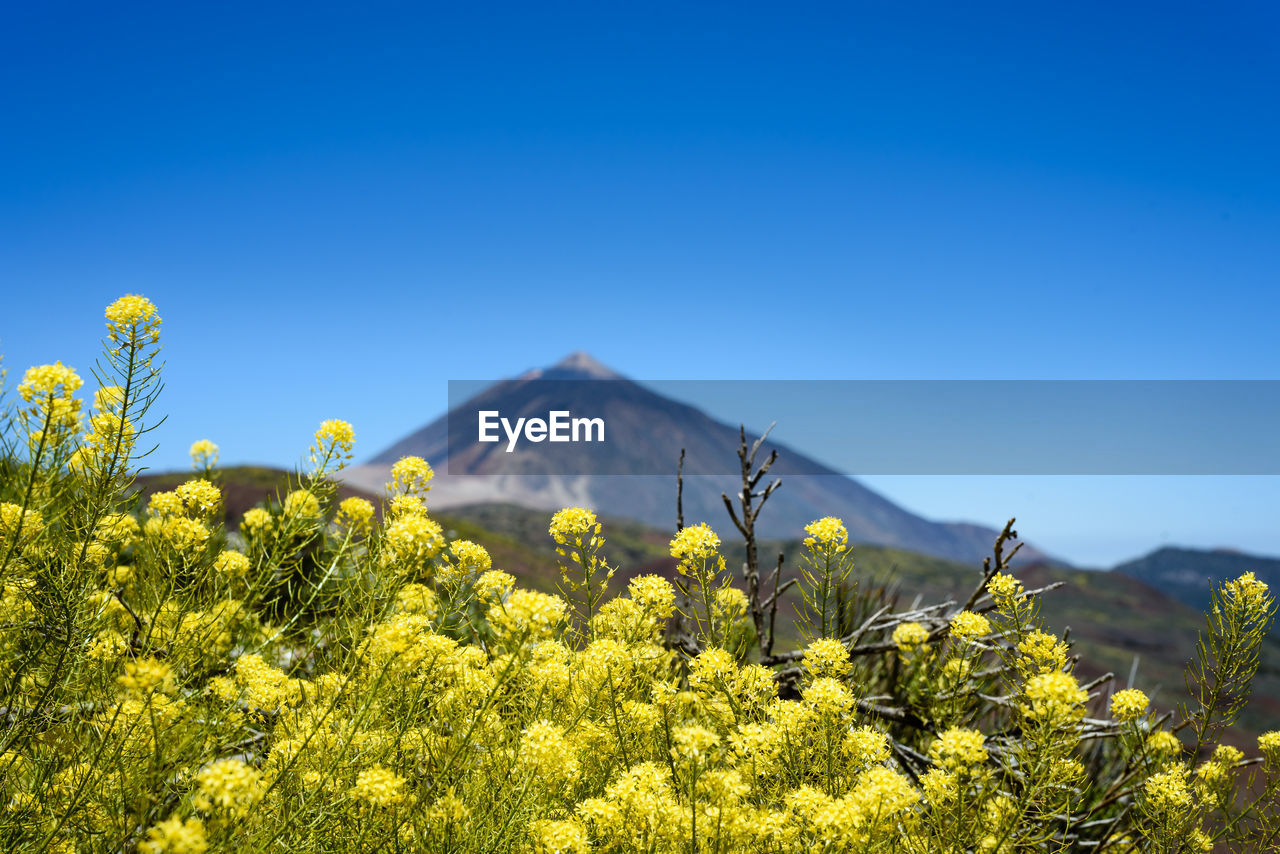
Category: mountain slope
<point>1186,574</point>
<point>647,432</point>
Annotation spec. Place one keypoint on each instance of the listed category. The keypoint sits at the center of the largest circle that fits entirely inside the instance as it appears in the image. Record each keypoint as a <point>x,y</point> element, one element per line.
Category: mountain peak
<point>579,365</point>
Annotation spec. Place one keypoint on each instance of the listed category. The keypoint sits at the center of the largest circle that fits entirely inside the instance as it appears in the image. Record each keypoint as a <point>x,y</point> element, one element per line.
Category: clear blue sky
<point>338,209</point>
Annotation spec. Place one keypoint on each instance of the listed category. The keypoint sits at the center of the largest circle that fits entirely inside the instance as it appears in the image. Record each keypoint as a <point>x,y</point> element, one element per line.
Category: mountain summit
<point>578,365</point>
<point>646,433</point>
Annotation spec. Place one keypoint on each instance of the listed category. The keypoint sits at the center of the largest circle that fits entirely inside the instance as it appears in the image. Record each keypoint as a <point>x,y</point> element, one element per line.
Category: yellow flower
<point>559,836</point>
<point>1163,743</point>
<point>654,594</point>
<point>16,523</point>
<point>199,497</point>
<point>1269,746</point>
<point>1247,593</point>
<point>175,836</point>
<point>118,529</point>
<point>829,697</point>
<point>406,505</point>
<point>908,636</point>
<point>132,318</point>
<point>731,604</point>
<point>410,476</point>
<point>570,526</point>
<point>548,755</point>
<point>379,787</point>
<point>256,522</point>
<point>1166,791</point>
<point>49,381</point>
<point>528,611</point>
<point>1055,697</point>
<point>967,625</point>
<point>147,675</point>
<point>230,785</point>
<point>692,742</point>
<point>204,454</point>
<point>416,599</point>
<point>470,557</point>
<point>1042,652</point>
<point>412,540</point>
<point>1227,756</point>
<point>1128,705</point>
<point>334,440</point>
<point>958,748</point>
<point>865,746</point>
<point>828,533</point>
<point>827,657</point>
<point>355,514</point>
<point>694,544</point>
<point>493,585</point>
<point>186,536</point>
<point>301,504</point>
<point>939,786</point>
<point>1004,589</point>
<point>232,564</point>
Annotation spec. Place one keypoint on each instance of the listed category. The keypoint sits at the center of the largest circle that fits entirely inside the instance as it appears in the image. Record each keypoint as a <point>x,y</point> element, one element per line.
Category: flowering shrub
<point>332,678</point>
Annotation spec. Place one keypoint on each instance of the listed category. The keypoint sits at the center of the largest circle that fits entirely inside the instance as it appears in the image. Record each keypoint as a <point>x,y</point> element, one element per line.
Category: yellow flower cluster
<point>827,657</point>
<point>230,786</point>
<point>494,585</point>
<point>1247,593</point>
<point>204,455</point>
<point>333,442</point>
<point>377,684</point>
<point>410,476</point>
<point>49,381</point>
<point>300,505</point>
<point>175,836</point>
<point>548,755</point>
<point>968,626</point>
<point>827,534</point>
<point>257,522</point>
<point>131,319</point>
<point>356,515</point>
<point>412,540</point>
<point>910,636</point>
<point>19,525</point>
<point>147,675</point>
<point>527,613</point>
<point>232,564</point>
<point>1054,698</point>
<point>1041,653</point>
<point>1163,743</point>
<point>1167,792</point>
<point>557,836</point>
<point>379,787</point>
<point>693,545</point>
<point>1004,589</point>
<point>570,526</point>
<point>1128,705</point>
<point>1269,747</point>
<point>957,749</point>
<point>54,413</point>
<point>466,560</point>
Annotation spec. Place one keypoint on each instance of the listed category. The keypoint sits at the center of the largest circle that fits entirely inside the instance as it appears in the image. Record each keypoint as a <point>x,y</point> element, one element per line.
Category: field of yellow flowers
<point>342,677</point>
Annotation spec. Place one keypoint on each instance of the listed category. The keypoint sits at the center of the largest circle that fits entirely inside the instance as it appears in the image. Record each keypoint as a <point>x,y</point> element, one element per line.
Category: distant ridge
<point>1187,574</point>
<point>649,430</point>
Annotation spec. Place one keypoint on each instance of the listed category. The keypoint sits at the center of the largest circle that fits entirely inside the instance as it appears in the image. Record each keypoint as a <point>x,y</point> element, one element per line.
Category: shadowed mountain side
<point>646,432</point>
<point>1187,574</point>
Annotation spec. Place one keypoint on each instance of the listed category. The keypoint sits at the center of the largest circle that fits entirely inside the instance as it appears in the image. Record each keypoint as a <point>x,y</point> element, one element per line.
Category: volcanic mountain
<point>647,432</point>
